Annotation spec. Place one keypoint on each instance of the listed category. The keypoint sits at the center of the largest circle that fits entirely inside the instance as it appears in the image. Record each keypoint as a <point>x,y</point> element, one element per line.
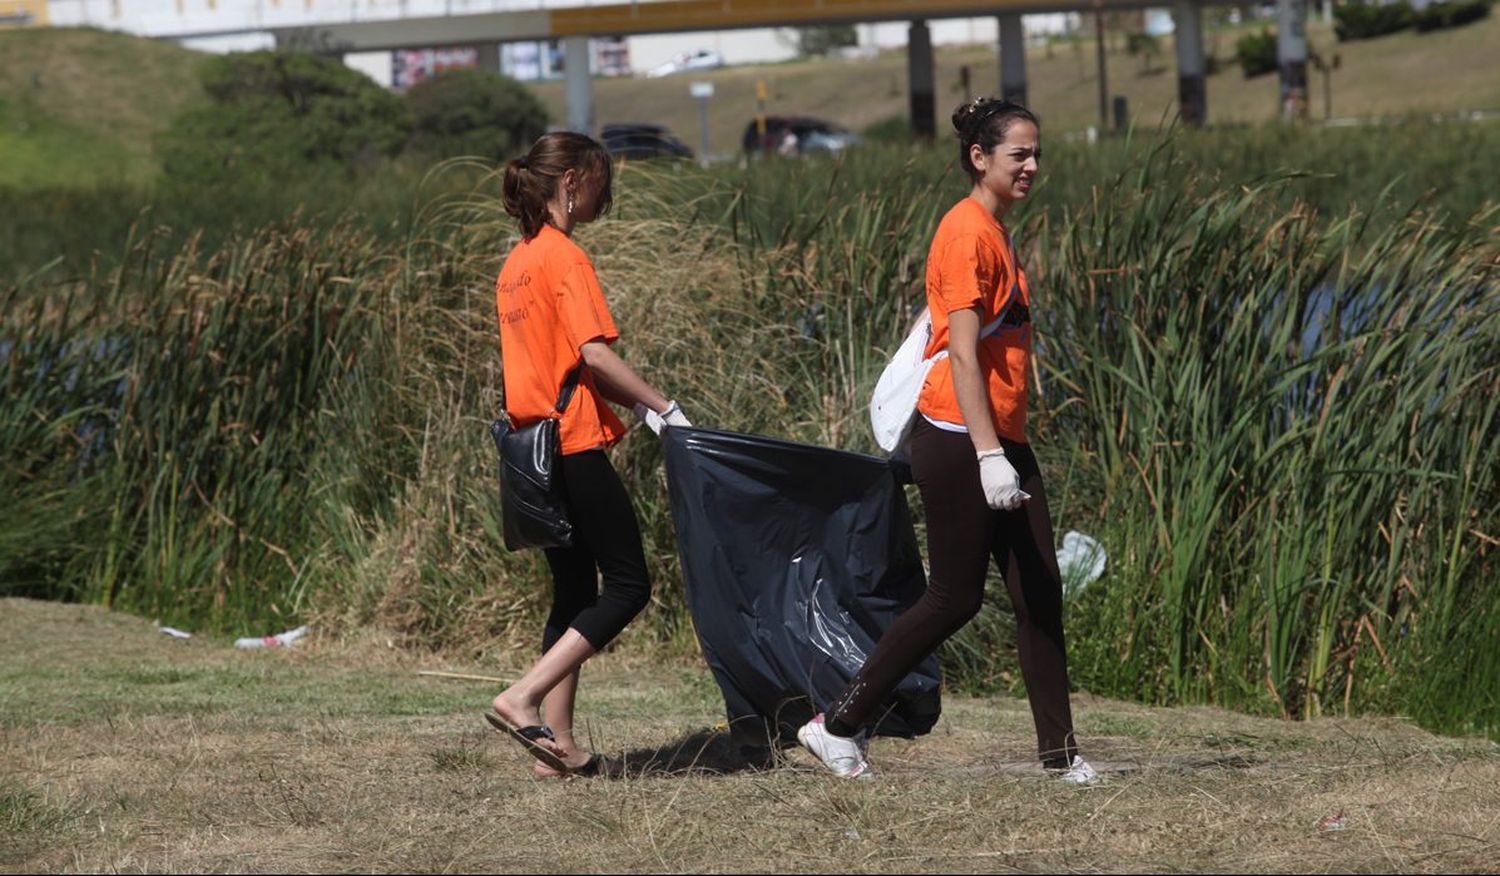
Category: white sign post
<point>702,91</point>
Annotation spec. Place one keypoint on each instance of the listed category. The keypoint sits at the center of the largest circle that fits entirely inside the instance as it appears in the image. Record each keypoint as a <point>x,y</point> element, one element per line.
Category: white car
<point>703,59</point>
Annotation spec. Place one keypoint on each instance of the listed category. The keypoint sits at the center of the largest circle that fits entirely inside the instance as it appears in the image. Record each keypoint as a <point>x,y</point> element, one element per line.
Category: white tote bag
<point>893,405</point>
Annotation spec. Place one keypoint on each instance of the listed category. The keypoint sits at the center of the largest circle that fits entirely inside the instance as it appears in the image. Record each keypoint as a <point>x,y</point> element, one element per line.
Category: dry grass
<point>1407,72</point>
<point>126,750</point>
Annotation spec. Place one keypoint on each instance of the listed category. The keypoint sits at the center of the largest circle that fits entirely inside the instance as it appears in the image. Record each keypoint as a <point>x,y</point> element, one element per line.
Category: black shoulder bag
<point>533,506</point>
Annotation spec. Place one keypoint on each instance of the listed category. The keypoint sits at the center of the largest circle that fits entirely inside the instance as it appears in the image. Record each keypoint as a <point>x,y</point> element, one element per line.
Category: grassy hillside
<point>83,105</point>
<point>1407,72</point>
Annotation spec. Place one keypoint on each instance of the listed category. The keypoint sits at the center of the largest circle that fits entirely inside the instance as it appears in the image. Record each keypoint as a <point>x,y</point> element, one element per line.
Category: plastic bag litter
<point>277,641</point>
<point>795,560</point>
<point>1337,821</point>
<point>1080,560</point>
<point>174,632</point>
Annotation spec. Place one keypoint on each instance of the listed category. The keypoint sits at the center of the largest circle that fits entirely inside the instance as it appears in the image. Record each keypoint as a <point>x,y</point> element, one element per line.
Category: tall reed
<point>1281,422</point>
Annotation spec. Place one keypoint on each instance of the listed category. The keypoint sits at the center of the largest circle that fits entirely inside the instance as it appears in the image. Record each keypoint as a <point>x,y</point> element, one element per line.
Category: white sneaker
<point>844,755</point>
<point>1080,773</point>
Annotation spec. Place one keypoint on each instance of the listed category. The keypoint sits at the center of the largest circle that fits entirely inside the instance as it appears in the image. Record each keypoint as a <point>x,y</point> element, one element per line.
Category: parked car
<point>637,140</point>
<point>703,59</point>
<point>797,135</point>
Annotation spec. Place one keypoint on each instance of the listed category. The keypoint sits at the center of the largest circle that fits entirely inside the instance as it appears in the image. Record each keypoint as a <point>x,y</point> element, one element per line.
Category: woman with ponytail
<point>553,320</point>
<point>979,480</point>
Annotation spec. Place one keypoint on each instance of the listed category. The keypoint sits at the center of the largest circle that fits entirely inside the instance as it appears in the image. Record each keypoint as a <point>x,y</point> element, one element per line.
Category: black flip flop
<point>528,737</point>
<point>594,766</point>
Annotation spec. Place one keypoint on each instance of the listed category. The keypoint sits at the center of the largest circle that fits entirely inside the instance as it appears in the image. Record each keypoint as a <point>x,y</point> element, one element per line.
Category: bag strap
<point>985,331</point>
<point>570,383</point>
<point>564,395</point>
<point>1011,297</point>
<point>992,327</point>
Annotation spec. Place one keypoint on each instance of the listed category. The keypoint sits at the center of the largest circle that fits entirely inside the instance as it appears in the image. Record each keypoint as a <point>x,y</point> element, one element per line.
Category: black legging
<point>963,535</point>
<point>606,539</point>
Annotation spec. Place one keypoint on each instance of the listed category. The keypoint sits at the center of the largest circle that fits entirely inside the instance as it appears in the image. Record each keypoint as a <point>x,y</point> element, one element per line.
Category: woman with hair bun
<point>979,480</point>
<point>553,321</point>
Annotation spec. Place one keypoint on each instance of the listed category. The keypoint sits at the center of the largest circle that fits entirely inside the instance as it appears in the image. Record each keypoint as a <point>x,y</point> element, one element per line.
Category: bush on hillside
<point>825,38</point>
<point>1144,46</point>
<point>473,112</point>
<point>1257,53</point>
<point>273,114</point>
<point>1450,14</point>
<point>1359,20</point>
<point>894,128</point>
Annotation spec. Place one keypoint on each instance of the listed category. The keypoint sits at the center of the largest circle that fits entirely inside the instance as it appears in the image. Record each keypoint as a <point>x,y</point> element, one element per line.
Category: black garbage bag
<point>795,559</point>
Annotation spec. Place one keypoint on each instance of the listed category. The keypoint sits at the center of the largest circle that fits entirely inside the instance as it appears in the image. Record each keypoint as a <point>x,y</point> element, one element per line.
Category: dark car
<point>642,141</point>
<point>796,135</point>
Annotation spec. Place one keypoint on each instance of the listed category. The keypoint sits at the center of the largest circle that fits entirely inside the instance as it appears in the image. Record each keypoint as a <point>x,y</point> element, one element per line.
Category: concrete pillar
<point>1192,91</point>
<point>920,79</point>
<point>489,57</point>
<point>1291,55</point>
<point>1012,58</point>
<point>579,87</point>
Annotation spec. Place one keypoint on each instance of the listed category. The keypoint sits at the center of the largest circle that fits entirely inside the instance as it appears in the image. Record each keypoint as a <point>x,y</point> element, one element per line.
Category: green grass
<point>41,151</point>
<point>28,822</point>
<point>81,106</point>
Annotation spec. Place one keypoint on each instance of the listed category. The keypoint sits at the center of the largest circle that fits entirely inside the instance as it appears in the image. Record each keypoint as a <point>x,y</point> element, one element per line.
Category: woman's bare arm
<point>618,381</point>
<point>968,380</point>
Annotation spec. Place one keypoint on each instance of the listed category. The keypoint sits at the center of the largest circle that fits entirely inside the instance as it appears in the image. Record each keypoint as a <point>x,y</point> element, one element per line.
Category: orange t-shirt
<point>550,305</point>
<point>972,265</point>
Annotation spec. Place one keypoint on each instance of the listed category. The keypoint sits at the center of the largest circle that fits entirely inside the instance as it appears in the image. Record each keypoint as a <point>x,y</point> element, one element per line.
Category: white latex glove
<point>1001,484</point>
<point>672,416</point>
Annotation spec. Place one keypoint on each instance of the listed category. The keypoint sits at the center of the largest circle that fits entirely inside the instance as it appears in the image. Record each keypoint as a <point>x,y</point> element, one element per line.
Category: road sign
<point>701,89</point>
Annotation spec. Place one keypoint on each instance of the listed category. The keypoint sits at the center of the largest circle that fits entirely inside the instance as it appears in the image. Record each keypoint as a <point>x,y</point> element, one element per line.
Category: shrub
<point>1144,46</point>
<point>1441,15</point>
<point>271,114</point>
<point>824,38</point>
<point>473,112</point>
<point>1257,53</point>
<point>1361,21</point>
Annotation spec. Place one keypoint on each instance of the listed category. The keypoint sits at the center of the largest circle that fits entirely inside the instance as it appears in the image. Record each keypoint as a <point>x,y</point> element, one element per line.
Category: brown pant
<point>963,534</point>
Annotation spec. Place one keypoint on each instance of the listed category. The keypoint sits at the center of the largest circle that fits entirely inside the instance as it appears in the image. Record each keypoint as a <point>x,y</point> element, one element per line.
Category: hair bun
<point>965,113</point>
<point>968,113</point>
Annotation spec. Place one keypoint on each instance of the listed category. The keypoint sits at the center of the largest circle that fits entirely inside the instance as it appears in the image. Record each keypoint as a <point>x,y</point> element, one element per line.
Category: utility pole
<point>702,91</point>
<point>1291,57</point>
<point>1103,76</point>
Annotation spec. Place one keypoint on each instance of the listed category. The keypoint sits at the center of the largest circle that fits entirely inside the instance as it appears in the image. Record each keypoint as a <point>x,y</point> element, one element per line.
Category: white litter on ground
<point>277,641</point>
<point>1081,562</point>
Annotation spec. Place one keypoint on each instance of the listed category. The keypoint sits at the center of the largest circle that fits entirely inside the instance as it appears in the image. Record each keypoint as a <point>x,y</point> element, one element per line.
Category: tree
<point>473,112</point>
<point>1144,46</point>
<point>822,39</point>
<point>1257,53</point>
<point>270,114</point>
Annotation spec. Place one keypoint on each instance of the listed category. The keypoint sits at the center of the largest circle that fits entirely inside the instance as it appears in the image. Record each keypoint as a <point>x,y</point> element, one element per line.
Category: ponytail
<point>532,179</point>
